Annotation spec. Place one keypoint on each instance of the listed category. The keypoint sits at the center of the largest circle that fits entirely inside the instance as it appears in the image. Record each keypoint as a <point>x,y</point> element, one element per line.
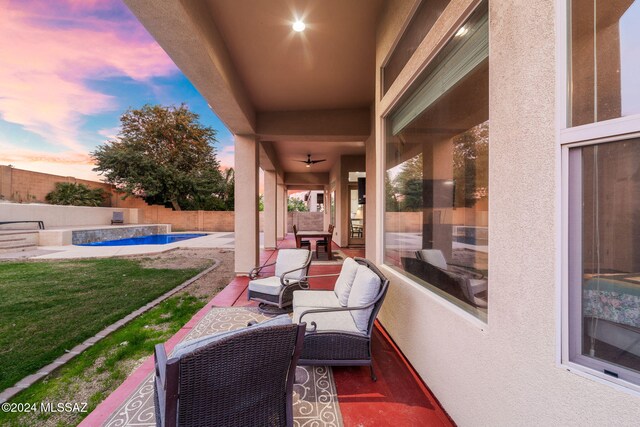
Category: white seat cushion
<point>267,285</point>
<point>291,259</point>
<point>365,289</point>
<point>333,321</point>
<point>186,347</point>
<point>434,257</point>
<point>345,280</point>
<point>320,299</point>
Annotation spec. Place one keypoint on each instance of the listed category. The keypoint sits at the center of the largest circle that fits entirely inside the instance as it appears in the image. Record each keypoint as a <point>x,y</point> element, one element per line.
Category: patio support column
<point>285,210</point>
<point>327,208</point>
<point>270,209</point>
<point>281,212</point>
<point>247,239</point>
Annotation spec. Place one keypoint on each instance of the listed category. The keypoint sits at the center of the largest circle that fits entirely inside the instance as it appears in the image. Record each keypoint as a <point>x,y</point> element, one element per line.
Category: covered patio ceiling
<point>327,66</point>
<point>290,152</point>
<point>305,93</point>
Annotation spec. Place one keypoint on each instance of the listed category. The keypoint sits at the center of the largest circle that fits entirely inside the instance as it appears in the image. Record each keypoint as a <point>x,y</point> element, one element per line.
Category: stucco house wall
<point>505,372</point>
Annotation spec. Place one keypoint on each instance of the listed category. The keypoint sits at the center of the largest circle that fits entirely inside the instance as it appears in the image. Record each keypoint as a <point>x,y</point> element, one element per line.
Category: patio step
<point>14,241</point>
<point>18,248</point>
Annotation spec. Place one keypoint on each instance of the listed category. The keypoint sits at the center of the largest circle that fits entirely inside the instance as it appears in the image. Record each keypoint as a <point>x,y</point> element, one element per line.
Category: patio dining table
<point>317,235</point>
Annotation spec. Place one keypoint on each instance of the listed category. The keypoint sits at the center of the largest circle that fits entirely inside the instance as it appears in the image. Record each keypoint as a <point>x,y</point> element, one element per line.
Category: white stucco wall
<point>506,372</point>
<point>62,216</point>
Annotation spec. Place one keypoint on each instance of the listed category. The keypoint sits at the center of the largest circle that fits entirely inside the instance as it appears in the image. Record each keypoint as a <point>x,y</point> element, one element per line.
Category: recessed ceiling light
<point>462,31</point>
<point>298,26</point>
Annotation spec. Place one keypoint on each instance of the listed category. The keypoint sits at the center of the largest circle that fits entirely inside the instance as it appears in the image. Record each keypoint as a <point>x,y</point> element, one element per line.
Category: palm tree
<point>71,193</point>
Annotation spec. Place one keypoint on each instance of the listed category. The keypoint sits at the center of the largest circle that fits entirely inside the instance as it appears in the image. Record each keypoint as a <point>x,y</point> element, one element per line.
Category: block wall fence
<point>25,187</point>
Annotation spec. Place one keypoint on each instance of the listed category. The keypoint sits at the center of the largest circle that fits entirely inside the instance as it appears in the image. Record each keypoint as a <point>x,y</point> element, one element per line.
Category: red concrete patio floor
<point>398,398</point>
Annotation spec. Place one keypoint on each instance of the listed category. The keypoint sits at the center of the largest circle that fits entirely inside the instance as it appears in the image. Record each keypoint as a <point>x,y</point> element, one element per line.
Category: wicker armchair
<point>464,282</point>
<point>242,379</point>
<point>333,338</point>
<point>275,293</point>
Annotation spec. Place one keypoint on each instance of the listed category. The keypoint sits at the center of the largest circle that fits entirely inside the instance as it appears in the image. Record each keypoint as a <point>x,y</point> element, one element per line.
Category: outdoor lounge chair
<point>340,322</point>
<point>275,293</point>
<point>239,378</point>
<point>463,282</point>
<point>117,218</point>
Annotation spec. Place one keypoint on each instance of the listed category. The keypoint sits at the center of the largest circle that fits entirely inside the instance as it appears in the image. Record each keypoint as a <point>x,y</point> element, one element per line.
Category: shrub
<point>71,193</point>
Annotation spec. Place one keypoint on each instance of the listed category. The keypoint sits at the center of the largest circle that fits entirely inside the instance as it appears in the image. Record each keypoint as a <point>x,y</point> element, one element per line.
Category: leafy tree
<point>390,190</point>
<point>470,161</point>
<point>296,205</point>
<point>218,197</point>
<point>229,188</point>
<point>75,194</point>
<point>261,203</point>
<point>166,156</point>
<point>409,184</point>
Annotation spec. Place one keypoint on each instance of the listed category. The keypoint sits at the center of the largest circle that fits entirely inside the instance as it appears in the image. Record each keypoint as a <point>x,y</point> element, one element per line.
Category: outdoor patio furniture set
<point>324,240</point>
<point>246,376</point>
<point>463,282</point>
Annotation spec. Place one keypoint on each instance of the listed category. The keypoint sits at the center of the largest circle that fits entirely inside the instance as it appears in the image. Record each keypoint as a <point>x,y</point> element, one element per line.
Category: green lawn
<point>49,307</point>
<point>96,372</point>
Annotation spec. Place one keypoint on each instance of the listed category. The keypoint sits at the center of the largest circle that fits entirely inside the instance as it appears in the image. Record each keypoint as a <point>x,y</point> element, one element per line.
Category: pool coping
<point>213,240</point>
<point>29,380</point>
<point>179,233</point>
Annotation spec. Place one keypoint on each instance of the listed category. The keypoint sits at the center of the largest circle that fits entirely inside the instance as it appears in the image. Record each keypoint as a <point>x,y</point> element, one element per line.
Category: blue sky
<point>69,69</point>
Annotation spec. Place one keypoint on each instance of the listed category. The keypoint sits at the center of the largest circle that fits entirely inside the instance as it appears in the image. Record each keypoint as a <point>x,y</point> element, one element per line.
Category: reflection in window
<point>605,286</point>
<point>436,183</point>
<point>605,60</point>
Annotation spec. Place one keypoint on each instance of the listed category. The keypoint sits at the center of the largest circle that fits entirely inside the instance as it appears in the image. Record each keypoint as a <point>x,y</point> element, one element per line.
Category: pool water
<point>155,239</point>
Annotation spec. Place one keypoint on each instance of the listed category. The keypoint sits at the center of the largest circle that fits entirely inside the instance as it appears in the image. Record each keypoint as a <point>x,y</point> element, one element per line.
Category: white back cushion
<point>291,259</point>
<point>345,280</point>
<point>366,287</point>
<point>434,257</point>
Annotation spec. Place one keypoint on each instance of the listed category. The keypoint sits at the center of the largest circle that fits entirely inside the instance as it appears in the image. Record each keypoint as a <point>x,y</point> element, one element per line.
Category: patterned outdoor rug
<point>315,402</point>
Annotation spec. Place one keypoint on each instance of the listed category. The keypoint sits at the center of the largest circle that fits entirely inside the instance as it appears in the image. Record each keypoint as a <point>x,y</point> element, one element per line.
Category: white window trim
<point>567,138</point>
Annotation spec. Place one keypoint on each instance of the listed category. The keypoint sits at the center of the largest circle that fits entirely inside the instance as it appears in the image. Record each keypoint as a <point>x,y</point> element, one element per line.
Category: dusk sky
<point>68,70</point>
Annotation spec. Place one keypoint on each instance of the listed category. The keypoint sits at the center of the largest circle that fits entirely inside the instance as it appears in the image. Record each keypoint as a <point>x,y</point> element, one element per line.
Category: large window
<point>436,184</point>
<point>602,327</point>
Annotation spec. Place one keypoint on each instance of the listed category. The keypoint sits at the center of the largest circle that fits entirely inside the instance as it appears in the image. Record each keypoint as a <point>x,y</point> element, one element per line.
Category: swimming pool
<point>155,239</point>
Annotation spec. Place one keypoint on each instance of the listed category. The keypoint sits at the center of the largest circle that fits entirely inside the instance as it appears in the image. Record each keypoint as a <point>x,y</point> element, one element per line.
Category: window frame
<point>568,138</point>
<point>388,103</point>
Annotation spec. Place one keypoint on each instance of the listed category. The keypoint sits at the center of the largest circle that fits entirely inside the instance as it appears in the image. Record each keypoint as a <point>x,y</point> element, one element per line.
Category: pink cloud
<point>49,52</point>
<point>67,163</point>
<point>226,156</point>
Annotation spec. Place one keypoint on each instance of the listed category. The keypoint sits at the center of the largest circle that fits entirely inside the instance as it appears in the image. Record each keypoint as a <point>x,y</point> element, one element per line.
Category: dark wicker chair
<point>242,380</point>
<point>303,243</point>
<point>342,348</point>
<point>275,293</point>
<point>324,242</point>
<point>464,282</point>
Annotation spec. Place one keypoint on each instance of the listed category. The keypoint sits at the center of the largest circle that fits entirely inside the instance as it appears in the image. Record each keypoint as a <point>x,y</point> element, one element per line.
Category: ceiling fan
<point>310,162</point>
